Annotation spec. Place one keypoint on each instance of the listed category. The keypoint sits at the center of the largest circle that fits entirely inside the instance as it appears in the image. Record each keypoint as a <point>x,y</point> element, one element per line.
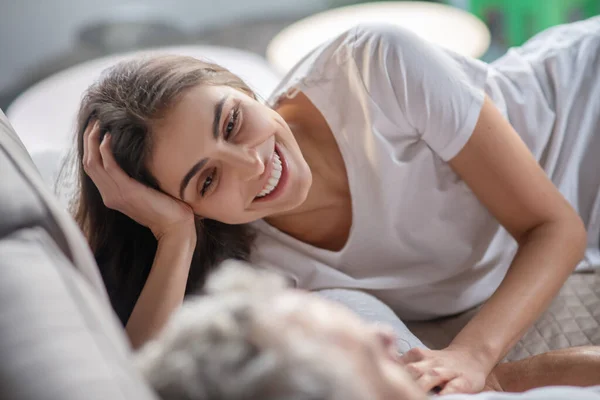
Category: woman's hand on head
<point>454,370</point>
<point>159,212</point>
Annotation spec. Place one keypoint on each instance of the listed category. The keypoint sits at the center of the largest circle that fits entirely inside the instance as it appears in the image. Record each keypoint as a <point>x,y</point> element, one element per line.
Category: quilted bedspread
<point>573,319</point>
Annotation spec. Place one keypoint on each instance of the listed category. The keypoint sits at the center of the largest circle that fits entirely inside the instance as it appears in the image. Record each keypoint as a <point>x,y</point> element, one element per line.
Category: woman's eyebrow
<point>190,174</point>
<point>218,113</point>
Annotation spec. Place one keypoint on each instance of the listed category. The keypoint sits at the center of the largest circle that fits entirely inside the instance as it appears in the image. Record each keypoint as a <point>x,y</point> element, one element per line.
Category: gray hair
<point>225,346</point>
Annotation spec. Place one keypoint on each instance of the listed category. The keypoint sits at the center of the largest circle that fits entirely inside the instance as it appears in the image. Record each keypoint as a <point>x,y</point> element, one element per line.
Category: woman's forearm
<point>165,287</point>
<point>546,257</point>
<point>575,366</point>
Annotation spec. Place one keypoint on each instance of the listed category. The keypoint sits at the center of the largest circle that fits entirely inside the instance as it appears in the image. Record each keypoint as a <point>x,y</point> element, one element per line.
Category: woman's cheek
<point>228,209</point>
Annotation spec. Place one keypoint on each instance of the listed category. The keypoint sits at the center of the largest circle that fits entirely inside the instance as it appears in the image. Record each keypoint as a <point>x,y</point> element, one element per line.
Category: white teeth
<point>274,179</point>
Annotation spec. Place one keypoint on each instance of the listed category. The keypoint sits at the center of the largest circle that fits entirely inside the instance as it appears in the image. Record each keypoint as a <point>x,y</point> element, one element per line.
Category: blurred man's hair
<point>225,346</point>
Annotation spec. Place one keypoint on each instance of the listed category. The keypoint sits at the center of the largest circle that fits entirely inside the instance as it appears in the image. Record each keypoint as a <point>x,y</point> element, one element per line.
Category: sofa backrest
<point>59,338</point>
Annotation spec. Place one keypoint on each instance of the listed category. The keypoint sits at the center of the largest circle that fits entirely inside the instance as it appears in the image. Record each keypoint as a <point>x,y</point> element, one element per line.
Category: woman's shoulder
<point>326,61</point>
<point>336,50</point>
<point>360,60</point>
<point>380,47</point>
<point>383,33</point>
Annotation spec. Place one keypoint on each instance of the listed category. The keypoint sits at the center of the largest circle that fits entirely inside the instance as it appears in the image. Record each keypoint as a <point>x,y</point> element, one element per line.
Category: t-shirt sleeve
<point>431,92</point>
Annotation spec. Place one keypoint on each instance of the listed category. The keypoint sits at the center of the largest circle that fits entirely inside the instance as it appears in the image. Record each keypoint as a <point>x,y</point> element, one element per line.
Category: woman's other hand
<point>157,211</point>
<point>454,370</point>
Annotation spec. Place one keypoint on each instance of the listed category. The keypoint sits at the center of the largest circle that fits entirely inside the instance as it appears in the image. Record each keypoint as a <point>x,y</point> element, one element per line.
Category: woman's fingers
<point>434,377</point>
<point>457,386</point>
<point>94,155</point>
<point>91,142</point>
<point>108,159</point>
<point>413,355</point>
<point>122,186</point>
<point>112,168</point>
<point>417,369</point>
<point>86,152</point>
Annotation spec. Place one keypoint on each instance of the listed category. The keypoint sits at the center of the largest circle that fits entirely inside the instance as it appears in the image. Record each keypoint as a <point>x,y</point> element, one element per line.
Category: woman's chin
<point>288,207</point>
<point>288,201</point>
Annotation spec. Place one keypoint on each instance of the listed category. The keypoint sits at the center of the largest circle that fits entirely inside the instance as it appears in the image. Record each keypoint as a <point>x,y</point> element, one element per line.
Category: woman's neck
<point>329,190</point>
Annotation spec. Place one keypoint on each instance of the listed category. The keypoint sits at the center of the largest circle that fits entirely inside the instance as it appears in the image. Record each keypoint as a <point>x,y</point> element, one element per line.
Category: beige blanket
<point>573,319</point>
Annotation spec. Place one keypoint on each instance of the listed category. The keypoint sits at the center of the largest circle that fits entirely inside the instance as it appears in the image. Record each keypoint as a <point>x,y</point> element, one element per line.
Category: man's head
<point>252,338</point>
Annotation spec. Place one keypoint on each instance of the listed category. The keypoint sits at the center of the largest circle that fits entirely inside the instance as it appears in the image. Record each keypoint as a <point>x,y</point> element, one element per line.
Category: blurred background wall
<point>41,37</point>
<point>38,37</point>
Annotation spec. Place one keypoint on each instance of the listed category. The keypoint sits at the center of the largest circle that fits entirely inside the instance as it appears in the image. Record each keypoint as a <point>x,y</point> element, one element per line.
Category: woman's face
<point>231,158</point>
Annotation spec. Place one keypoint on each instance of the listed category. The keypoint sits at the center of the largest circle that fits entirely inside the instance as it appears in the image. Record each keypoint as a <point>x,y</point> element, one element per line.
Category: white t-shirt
<point>400,108</point>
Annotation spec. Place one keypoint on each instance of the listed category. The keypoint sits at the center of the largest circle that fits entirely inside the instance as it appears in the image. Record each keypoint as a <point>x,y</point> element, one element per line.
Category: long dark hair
<point>127,101</point>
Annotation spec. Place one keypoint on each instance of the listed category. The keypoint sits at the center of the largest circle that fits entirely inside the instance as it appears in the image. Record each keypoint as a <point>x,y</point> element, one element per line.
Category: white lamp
<point>444,25</point>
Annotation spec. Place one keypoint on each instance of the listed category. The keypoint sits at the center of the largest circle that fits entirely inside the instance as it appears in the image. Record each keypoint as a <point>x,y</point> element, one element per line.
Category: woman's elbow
<point>572,234</point>
<point>577,235</point>
<point>566,232</point>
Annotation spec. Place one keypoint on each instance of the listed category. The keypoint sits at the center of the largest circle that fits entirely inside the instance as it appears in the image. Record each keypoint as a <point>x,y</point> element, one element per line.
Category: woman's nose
<point>246,160</point>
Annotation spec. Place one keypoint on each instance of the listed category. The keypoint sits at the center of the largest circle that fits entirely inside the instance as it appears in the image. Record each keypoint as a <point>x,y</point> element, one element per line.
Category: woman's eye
<point>229,129</point>
<point>207,183</point>
<point>231,123</point>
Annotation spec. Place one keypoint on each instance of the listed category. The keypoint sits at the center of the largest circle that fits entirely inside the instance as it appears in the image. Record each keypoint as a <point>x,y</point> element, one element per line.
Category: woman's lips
<point>282,179</point>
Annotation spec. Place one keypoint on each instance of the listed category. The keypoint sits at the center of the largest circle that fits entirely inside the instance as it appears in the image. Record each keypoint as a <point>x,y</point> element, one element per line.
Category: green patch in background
<point>512,22</point>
